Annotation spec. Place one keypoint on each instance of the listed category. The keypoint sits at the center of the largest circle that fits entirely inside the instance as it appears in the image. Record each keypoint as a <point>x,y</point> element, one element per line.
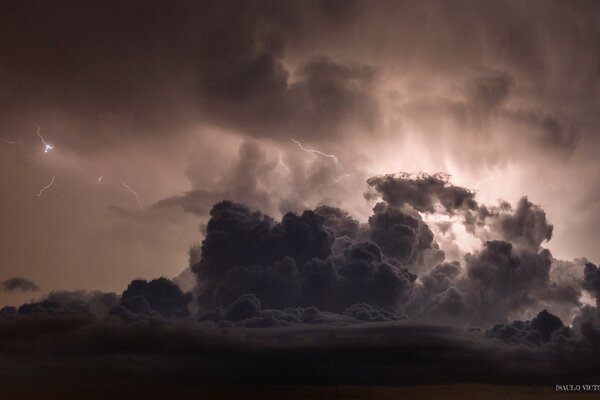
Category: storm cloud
<point>19,284</point>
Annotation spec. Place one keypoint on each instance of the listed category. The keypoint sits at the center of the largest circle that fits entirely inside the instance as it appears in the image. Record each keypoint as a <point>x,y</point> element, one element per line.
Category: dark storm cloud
<point>339,221</point>
<point>587,324</point>
<point>503,279</point>
<point>237,236</point>
<point>290,263</point>
<point>159,295</point>
<point>19,284</point>
<point>77,304</point>
<point>591,280</point>
<point>327,260</point>
<point>543,328</point>
<point>441,276</point>
<point>422,192</point>
<point>403,236</point>
<point>437,297</point>
<point>525,225</point>
<point>587,321</point>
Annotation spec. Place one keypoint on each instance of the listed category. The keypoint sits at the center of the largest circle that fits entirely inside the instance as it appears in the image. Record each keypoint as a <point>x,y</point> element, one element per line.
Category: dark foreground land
<point>446,392</point>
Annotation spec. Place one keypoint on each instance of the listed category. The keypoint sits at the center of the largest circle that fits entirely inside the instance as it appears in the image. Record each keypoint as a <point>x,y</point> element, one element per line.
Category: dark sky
<point>439,159</point>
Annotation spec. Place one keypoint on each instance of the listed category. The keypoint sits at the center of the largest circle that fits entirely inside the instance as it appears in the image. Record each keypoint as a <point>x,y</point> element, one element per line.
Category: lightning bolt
<point>133,192</point>
<point>47,146</point>
<point>315,151</point>
<point>11,141</point>
<point>339,178</point>
<point>282,163</point>
<point>46,187</point>
<point>489,178</point>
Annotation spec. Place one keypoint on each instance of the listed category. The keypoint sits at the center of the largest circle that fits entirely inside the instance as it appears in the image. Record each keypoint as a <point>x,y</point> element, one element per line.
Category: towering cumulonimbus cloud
<point>322,278</point>
<point>326,259</point>
<point>325,265</point>
<point>505,278</point>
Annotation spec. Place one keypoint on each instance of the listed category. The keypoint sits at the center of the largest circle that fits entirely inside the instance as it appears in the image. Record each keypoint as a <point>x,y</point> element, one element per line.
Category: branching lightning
<point>47,147</point>
<point>315,151</point>
<point>47,186</point>
<point>133,192</point>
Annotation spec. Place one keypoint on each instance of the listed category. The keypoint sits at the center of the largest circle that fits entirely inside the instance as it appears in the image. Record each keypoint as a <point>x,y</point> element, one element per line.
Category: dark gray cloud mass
<point>422,193</point>
<point>541,329</point>
<point>503,279</point>
<point>19,284</point>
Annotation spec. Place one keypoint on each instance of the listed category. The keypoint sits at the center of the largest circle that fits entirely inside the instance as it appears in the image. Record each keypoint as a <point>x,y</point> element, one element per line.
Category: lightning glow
<point>333,157</point>
<point>46,187</point>
<point>100,178</point>
<point>47,147</point>
<point>133,192</point>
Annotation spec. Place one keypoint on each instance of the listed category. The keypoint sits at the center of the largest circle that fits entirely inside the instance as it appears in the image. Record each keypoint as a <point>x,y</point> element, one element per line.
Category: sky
<point>133,130</point>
